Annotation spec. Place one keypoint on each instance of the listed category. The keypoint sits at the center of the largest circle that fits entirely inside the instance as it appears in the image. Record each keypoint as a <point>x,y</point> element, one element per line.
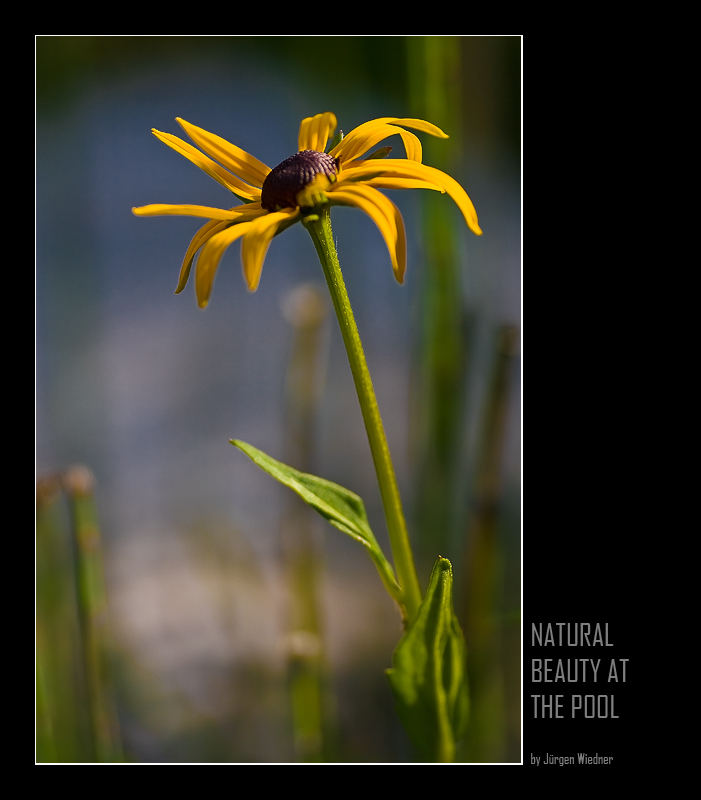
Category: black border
<point>582,537</point>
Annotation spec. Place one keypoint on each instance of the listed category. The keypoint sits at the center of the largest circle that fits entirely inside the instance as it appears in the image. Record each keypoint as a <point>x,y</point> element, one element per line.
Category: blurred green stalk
<point>62,731</point>
<point>306,311</point>
<point>93,616</point>
<point>483,585</point>
<point>434,86</point>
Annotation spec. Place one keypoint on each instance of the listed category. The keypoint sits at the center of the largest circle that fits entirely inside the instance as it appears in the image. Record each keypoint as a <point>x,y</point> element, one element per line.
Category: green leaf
<point>381,152</point>
<point>429,671</point>
<point>337,139</point>
<point>344,509</point>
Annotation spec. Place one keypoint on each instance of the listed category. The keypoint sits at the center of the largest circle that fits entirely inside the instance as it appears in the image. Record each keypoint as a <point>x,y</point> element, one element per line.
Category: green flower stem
<point>319,227</point>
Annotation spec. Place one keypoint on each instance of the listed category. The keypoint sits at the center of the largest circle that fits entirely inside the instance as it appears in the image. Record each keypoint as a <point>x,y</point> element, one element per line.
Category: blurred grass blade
<point>487,590</point>
<point>429,674</point>
<point>62,726</point>
<point>344,509</point>
<point>435,92</point>
<point>92,606</point>
<point>306,310</point>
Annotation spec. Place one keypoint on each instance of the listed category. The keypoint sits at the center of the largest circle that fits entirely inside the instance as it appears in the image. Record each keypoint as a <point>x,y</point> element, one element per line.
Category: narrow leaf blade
<point>342,508</point>
<point>339,505</point>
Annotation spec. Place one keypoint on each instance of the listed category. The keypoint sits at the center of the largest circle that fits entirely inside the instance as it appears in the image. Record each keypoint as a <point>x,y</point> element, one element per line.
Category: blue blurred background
<point>145,389</point>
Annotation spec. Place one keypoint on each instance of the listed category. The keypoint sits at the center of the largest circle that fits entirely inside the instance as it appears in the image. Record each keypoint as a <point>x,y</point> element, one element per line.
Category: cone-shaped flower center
<point>286,181</point>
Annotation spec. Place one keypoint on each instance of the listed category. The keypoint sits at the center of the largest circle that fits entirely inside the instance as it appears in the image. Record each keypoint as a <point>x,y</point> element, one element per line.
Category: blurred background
<point>189,608</point>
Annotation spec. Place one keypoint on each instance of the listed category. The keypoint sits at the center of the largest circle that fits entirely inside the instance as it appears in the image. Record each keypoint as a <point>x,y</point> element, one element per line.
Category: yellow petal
<point>203,235</point>
<point>303,137</point>
<point>401,183</point>
<point>214,170</point>
<point>365,136</point>
<point>166,209</point>
<point>232,157</point>
<point>314,131</point>
<point>401,168</point>
<point>211,255</point>
<point>412,145</point>
<point>384,214</point>
<point>417,125</point>
<point>360,139</point>
<point>258,237</point>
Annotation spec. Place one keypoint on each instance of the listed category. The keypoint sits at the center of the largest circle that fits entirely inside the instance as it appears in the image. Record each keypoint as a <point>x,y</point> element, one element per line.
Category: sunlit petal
<point>355,143</point>
<point>214,170</point>
<point>314,131</point>
<point>232,157</point>
<point>326,126</point>
<point>401,183</point>
<point>400,168</point>
<point>359,140</point>
<point>412,145</point>
<point>366,136</point>
<point>257,240</point>
<point>304,136</point>
<point>203,235</point>
<point>210,257</point>
<point>417,125</point>
<point>184,210</point>
<point>384,214</point>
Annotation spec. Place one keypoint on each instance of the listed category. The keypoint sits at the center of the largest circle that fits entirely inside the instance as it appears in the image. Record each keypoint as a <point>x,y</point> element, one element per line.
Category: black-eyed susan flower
<point>275,198</point>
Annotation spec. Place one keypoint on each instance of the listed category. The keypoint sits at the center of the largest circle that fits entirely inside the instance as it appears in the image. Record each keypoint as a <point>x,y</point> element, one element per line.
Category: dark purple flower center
<point>286,181</point>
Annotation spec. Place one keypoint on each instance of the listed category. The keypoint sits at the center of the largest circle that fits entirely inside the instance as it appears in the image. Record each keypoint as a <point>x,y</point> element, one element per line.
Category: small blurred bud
<point>305,306</point>
<point>79,480</point>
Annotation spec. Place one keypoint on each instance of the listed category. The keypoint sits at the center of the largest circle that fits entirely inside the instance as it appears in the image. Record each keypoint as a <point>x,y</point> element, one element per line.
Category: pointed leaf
<point>342,508</point>
<point>381,152</point>
<point>429,675</point>
<point>337,139</point>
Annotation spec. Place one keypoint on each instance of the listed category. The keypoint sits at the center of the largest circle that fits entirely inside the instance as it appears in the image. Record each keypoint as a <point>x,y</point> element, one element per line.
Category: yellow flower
<point>275,198</point>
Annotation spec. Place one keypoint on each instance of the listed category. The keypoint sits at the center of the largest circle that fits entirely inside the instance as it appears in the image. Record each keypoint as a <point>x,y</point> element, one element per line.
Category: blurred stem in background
<point>434,84</point>
<point>62,726</point>
<point>306,310</point>
<point>483,593</point>
<point>76,714</point>
<point>92,606</point>
<point>446,370</point>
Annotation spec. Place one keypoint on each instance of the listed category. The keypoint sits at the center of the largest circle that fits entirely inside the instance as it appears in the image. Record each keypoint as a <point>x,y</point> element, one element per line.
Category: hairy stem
<point>319,227</point>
